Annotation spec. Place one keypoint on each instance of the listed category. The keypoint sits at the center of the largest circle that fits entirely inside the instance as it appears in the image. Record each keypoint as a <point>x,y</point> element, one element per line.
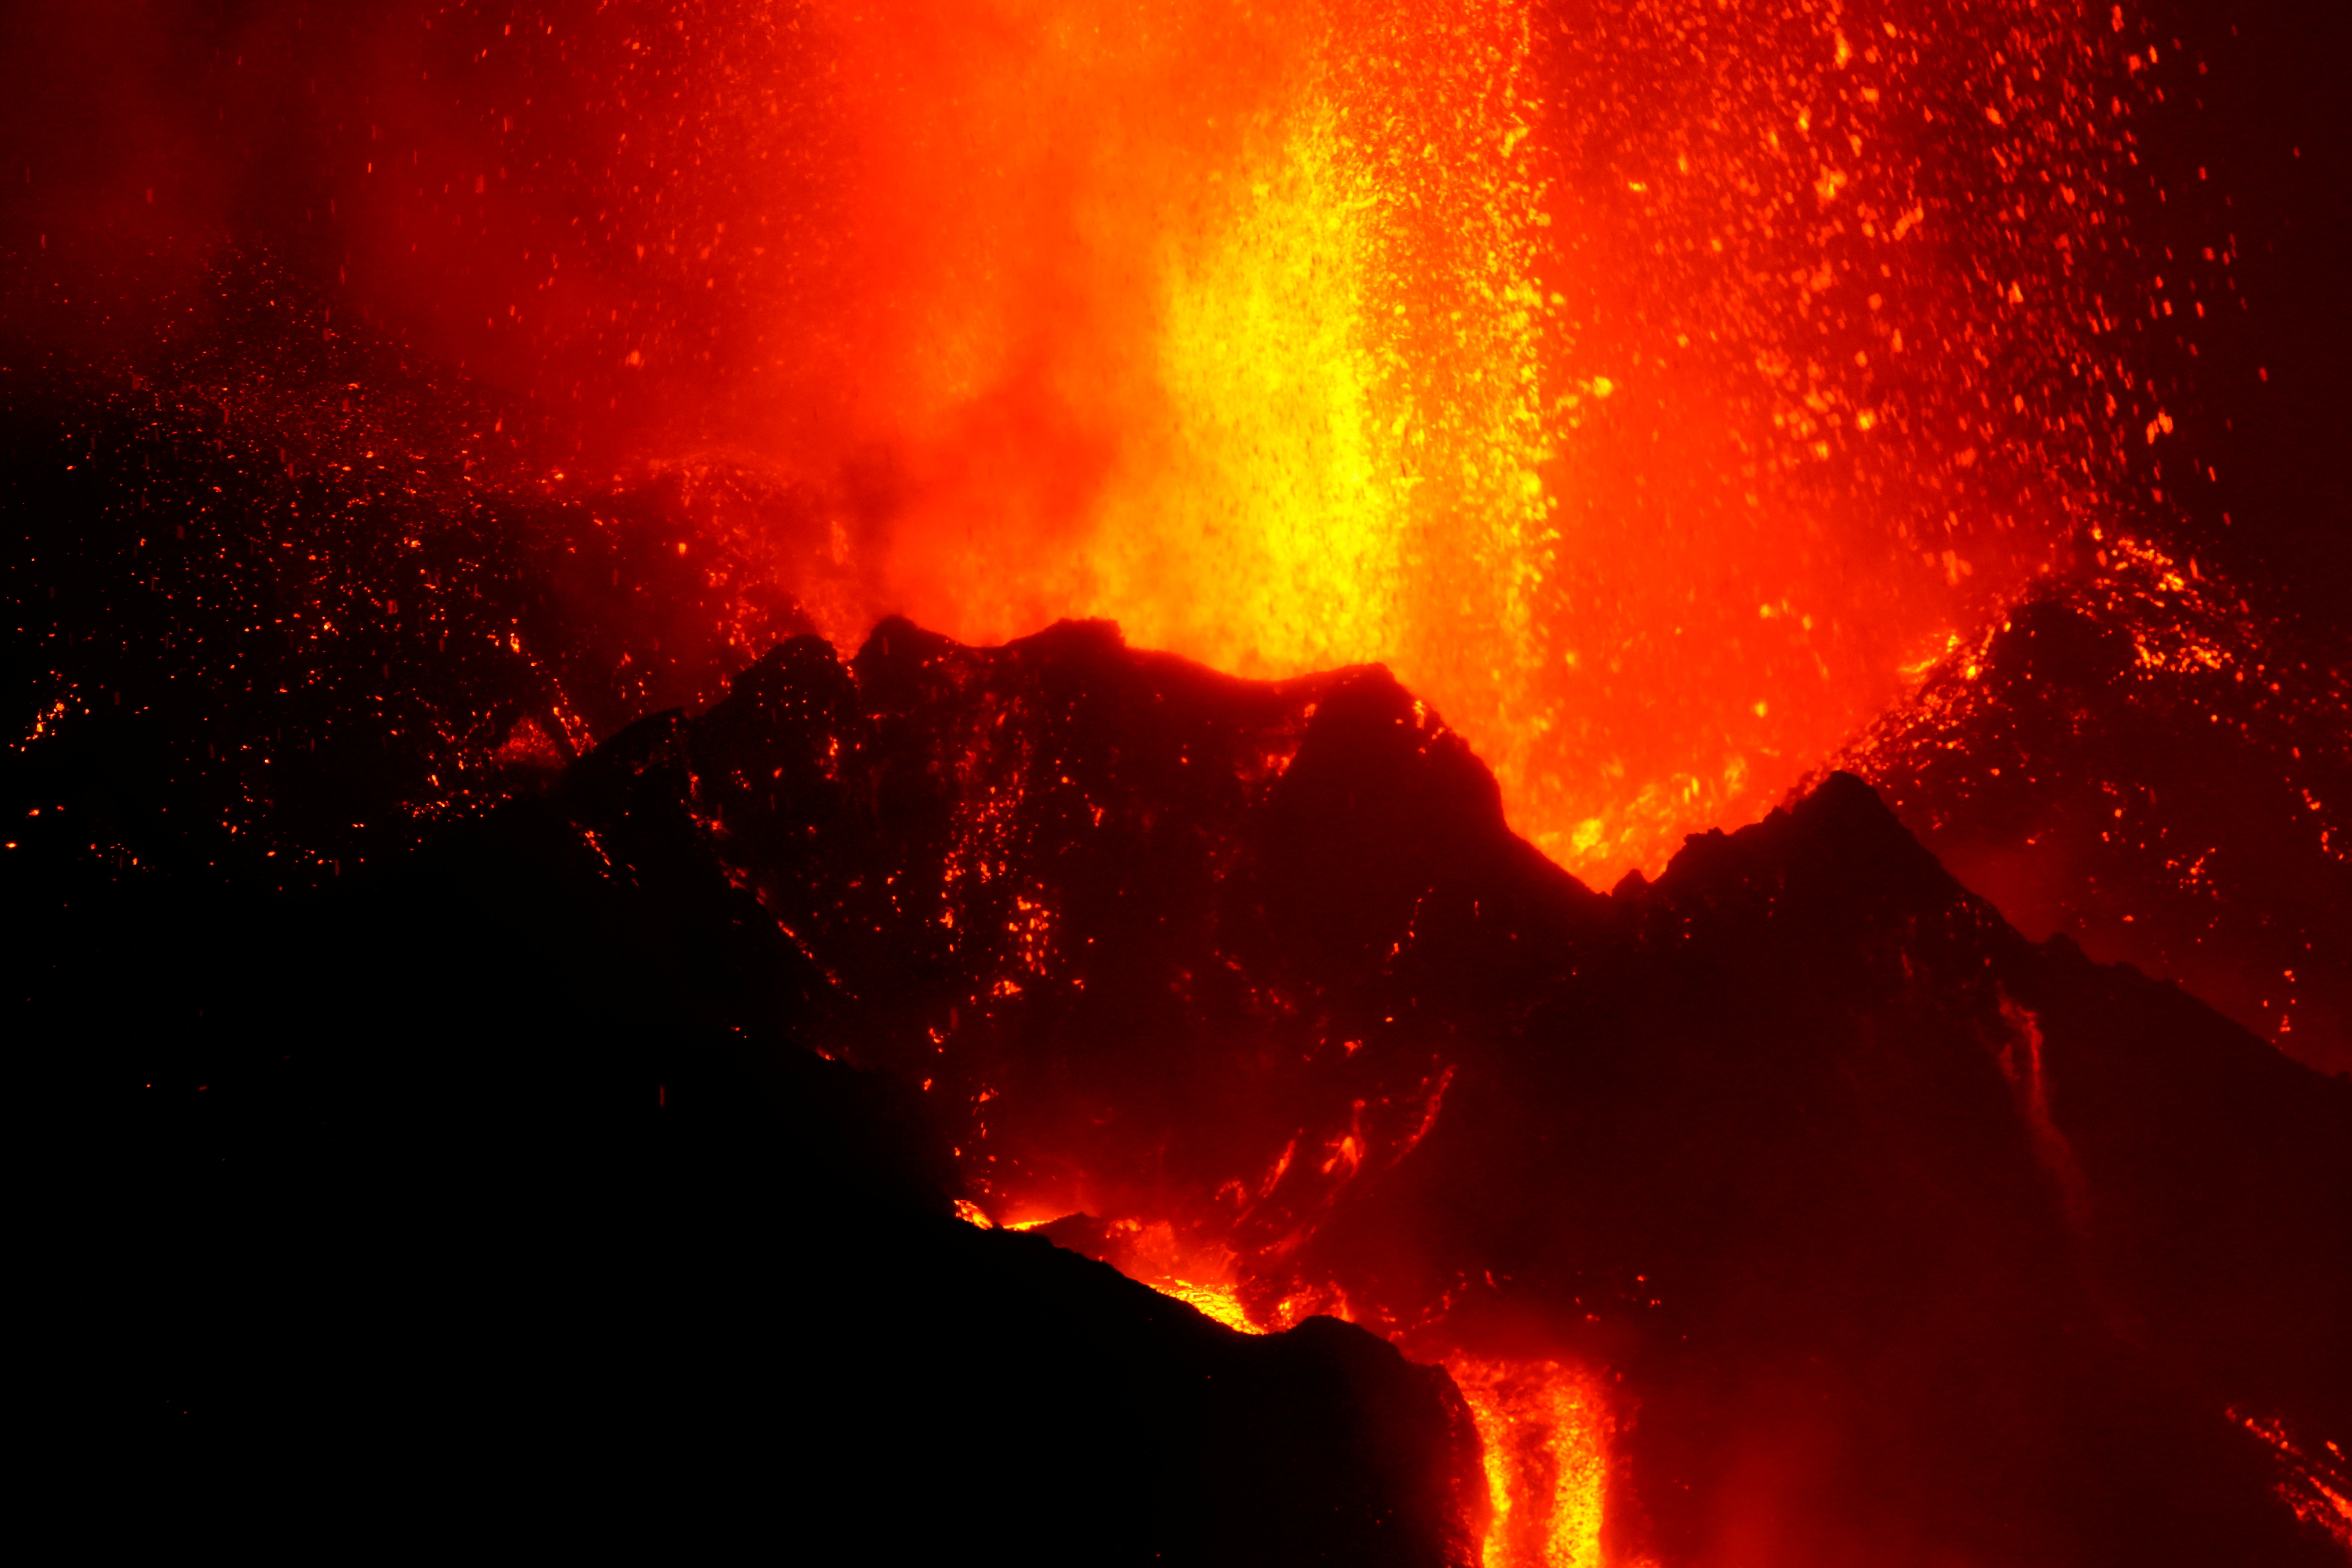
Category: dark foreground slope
<point>492,1198</point>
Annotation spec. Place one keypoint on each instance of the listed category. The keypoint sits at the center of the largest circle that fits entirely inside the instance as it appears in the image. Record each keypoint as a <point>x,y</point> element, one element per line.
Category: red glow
<point>1663,391</point>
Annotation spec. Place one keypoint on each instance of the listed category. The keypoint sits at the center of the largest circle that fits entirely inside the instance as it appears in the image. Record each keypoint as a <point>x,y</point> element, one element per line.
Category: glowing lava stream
<point>1542,1436</point>
<point>1543,1426</point>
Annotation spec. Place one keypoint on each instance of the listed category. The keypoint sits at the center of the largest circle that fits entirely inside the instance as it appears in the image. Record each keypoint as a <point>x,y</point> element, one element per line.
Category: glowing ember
<point>2316,1485</point>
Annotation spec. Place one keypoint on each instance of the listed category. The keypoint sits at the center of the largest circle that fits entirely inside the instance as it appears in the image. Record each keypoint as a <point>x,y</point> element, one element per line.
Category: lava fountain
<point>1658,388</point>
<point>1620,379</point>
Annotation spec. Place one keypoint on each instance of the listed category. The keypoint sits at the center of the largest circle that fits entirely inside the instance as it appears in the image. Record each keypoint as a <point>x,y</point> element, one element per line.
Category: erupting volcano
<point>1454,782</point>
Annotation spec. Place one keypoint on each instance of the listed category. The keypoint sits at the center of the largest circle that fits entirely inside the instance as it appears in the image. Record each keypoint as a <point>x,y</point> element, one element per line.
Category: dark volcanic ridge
<point>289,591</point>
<point>1892,1234</point>
<point>2137,758</point>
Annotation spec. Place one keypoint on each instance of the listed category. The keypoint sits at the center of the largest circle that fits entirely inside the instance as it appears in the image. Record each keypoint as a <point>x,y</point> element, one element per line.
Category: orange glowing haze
<point>1654,386</point>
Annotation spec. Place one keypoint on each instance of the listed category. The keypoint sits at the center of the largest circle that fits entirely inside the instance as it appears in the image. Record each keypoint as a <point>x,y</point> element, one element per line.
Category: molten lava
<point>1542,1427</point>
